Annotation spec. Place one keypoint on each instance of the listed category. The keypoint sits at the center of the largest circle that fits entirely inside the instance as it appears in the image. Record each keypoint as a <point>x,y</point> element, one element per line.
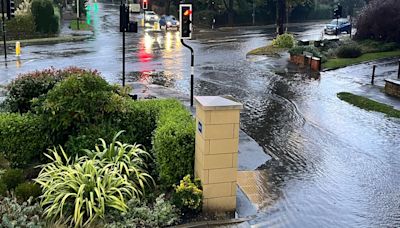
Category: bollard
<point>142,22</point>
<point>155,26</point>
<point>17,48</point>
<point>216,156</point>
<point>373,74</point>
<point>398,72</point>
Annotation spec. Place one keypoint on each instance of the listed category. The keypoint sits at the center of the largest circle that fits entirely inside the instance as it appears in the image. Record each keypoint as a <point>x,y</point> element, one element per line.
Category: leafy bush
<point>45,19</point>
<point>81,191</point>
<point>379,20</point>
<point>3,188</point>
<point>127,159</point>
<point>25,87</point>
<point>12,177</point>
<point>21,27</point>
<point>284,41</point>
<point>161,214</point>
<point>369,46</point>
<point>298,50</point>
<point>77,101</point>
<point>26,190</point>
<point>349,51</point>
<point>188,195</point>
<point>173,144</point>
<point>25,214</point>
<point>22,138</point>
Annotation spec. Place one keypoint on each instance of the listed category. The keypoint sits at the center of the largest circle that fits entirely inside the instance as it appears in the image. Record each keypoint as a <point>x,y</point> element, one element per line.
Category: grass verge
<point>82,25</point>
<point>48,40</point>
<point>343,62</point>
<point>268,50</point>
<point>368,104</point>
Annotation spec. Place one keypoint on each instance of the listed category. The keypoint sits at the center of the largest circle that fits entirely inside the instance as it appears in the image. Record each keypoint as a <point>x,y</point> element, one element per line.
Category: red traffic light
<point>187,12</point>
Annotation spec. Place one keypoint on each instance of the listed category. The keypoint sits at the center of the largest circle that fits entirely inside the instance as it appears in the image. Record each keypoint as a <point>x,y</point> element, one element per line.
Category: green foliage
<point>161,214</point>
<point>25,87</point>
<point>24,214</point>
<point>26,190</point>
<point>81,191</point>
<point>284,41</point>
<point>12,177</point>
<point>370,46</point>
<point>126,158</point>
<point>368,104</point>
<point>188,194</point>
<point>349,51</point>
<point>3,188</point>
<point>45,19</point>
<point>298,50</point>
<point>21,27</point>
<point>77,101</point>
<point>22,138</point>
<point>173,144</point>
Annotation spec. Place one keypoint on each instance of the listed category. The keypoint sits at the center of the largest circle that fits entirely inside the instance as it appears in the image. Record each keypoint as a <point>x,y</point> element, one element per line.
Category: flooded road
<point>334,165</point>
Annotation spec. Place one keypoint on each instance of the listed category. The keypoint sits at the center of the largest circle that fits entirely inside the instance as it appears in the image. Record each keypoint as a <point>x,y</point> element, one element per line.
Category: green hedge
<point>163,127</point>
<point>22,140</point>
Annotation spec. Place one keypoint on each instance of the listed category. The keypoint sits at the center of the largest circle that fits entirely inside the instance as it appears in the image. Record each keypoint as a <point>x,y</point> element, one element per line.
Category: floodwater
<point>333,165</point>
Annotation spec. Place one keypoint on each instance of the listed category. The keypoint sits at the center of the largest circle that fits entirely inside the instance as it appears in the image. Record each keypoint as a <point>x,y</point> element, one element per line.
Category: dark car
<point>168,21</point>
<point>342,25</point>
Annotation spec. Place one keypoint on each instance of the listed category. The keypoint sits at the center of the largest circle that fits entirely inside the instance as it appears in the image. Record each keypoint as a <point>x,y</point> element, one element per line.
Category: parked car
<point>342,25</point>
<point>168,21</point>
<point>151,16</point>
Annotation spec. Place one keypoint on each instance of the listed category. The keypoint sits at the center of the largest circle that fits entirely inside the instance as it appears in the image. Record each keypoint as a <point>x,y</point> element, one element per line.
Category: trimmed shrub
<point>298,50</point>
<point>21,27</point>
<point>45,19</point>
<point>188,195</point>
<point>25,87</point>
<point>26,190</point>
<point>173,144</point>
<point>12,177</point>
<point>379,20</point>
<point>161,214</point>
<point>22,138</point>
<point>24,214</point>
<point>284,41</point>
<point>349,51</point>
<point>77,101</point>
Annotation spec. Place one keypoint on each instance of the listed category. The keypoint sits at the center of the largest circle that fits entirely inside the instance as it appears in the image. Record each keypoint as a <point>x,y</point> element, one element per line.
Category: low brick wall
<point>392,87</point>
<point>304,61</point>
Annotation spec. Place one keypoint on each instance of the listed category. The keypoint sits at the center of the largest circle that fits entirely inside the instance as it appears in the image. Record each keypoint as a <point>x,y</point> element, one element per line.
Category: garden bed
<point>136,174</point>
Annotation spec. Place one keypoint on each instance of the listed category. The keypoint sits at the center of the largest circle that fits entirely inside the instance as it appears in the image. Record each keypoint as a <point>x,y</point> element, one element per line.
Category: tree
<point>283,9</point>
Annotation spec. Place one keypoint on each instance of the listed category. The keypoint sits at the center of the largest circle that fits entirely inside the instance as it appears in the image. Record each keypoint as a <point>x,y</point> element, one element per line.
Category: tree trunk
<point>167,6</point>
<point>230,13</point>
<point>281,16</point>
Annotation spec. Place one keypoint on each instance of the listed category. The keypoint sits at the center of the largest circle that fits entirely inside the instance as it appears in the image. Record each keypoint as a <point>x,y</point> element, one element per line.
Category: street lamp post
<point>77,14</point>
<point>254,13</point>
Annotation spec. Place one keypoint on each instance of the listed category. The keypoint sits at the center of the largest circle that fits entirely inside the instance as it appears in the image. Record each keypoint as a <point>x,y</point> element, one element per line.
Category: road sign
<point>185,21</point>
<point>145,4</point>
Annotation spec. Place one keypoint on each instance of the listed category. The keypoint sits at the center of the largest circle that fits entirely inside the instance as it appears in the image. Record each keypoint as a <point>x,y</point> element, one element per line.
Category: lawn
<point>268,50</point>
<point>82,25</point>
<point>368,104</point>
<point>343,62</point>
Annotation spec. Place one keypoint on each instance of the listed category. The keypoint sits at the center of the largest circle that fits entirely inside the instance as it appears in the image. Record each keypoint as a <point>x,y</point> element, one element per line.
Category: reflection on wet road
<point>335,165</point>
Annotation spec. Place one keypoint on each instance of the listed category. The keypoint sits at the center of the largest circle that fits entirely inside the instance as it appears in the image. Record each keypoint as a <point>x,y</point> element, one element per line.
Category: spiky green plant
<point>126,158</point>
<point>79,192</point>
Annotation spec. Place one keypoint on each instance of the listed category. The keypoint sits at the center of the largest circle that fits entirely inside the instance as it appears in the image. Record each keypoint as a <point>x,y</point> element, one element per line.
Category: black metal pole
<point>123,49</point>
<point>398,72</point>
<point>4,29</point>
<point>191,71</point>
<point>77,14</point>
<point>373,74</point>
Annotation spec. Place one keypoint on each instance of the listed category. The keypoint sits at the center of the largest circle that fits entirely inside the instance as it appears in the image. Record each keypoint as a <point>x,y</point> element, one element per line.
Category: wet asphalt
<point>334,165</point>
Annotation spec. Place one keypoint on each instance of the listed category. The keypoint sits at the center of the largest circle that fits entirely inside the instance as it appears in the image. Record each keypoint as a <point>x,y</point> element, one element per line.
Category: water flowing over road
<point>334,165</point>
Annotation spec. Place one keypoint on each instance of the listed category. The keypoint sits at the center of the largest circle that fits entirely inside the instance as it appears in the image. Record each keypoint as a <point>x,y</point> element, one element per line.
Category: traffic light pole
<point>191,71</point>
<point>4,29</point>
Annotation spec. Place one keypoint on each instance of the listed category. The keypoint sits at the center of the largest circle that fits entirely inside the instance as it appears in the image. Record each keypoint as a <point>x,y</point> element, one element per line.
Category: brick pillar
<point>216,157</point>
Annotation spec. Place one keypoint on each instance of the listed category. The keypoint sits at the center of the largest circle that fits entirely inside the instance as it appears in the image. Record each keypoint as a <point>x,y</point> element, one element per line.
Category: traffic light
<point>144,4</point>
<point>10,9</point>
<point>337,12</point>
<point>123,17</point>
<point>185,21</point>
